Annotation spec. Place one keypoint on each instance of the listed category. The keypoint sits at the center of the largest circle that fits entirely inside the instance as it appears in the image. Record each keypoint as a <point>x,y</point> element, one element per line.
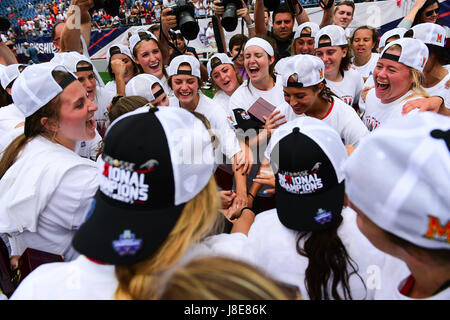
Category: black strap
<point>444,135</point>
<point>213,66</point>
<point>305,35</point>
<point>80,69</point>
<point>392,57</point>
<point>188,72</point>
<point>242,42</point>
<point>158,93</point>
<point>66,81</point>
<point>220,45</point>
<point>324,44</point>
<point>114,50</point>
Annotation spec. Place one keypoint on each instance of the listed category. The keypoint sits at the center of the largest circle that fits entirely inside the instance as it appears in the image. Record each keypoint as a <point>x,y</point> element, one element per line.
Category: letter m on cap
<point>436,231</point>
<point>439,38</point>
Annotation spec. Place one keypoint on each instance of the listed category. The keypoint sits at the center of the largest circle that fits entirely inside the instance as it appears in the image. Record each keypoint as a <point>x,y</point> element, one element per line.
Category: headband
<point>88,68</point>
<point>260,42</point>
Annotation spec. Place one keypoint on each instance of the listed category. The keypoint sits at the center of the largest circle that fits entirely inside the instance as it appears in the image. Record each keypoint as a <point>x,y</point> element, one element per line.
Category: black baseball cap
<point>306,156</point>
<point>145,182</point>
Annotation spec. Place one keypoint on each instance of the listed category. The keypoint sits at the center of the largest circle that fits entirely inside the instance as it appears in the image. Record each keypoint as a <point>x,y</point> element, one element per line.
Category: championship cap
<point>414,53</point>
<point>184,58</point>
<point>10,73</point>
<point>311,25</point>
<point>223,59</point>
<point>141,85</point>
<point>306,156</point>
<point>399,178</point>
<point>154,161</point>
<point>35,87</point>
<point>303,70</point>
<point>336,35</point>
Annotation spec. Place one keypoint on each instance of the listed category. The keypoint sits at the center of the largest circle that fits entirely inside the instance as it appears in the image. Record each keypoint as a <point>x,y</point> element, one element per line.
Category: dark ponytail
<point>328,260</point>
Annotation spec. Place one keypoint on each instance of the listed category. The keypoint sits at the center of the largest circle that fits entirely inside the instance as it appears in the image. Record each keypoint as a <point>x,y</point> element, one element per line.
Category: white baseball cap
<point>414,53</point>
<point>10,73</point>
<point>70,61</point>
<point>430,33</point>
<point>336,35</point>
<point>35,86</point>
<point>141,85</point>
<point>312,25</point>
<point>303,70</point>
<point>388,34</point>
<point>224,59</point>
<point>138,37</point>
<point>184,58</point>
<point>399,176</point>
<point>118,48</point>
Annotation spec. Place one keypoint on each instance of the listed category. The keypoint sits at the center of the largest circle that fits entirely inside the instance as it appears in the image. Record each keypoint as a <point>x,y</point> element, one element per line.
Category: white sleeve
<point>229,144</point>
<point>359,82</point>
<point>354,129</point>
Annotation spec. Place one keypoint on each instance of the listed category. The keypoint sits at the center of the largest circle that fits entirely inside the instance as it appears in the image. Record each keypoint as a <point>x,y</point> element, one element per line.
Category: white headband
<point>260,43</point>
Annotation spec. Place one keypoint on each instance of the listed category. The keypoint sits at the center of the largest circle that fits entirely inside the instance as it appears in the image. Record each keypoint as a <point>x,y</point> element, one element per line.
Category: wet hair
<point>328,261</point>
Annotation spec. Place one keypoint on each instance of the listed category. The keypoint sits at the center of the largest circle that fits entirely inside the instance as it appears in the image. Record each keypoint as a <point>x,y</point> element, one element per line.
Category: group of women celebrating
<point>327,96</point>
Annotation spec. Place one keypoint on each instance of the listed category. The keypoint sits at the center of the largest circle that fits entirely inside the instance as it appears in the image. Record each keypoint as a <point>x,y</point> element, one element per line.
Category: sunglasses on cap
<point>429,13</point>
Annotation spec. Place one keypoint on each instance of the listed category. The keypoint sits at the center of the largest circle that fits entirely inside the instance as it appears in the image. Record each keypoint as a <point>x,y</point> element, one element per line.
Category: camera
<point>111,7</point>
<point>229,17</point>
<point>186,23</point>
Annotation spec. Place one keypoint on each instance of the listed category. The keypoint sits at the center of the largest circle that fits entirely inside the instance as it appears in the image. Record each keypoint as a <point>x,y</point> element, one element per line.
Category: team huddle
<point>320,163</point>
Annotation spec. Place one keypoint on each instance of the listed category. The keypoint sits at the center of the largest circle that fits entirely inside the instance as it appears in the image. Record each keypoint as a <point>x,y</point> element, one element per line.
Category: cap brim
<point>97,237</point>
<point>246,124</point>
<point>298,212</point>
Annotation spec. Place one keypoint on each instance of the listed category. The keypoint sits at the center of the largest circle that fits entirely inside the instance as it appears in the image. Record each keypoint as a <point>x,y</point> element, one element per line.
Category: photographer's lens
<point>188,26</point>
<point>229,17</point>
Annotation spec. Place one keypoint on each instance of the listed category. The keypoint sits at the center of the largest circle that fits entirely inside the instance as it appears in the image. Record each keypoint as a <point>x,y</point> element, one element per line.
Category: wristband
<point>251,26</point>
<point>242,210</point>
<point>253,197</point>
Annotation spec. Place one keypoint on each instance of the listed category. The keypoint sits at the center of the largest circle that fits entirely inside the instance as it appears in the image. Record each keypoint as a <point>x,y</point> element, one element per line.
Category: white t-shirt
<point>10,117</point>
<point>366,70</point>
<point>89,149</point>
<point>344,119</point>
<point>440,90</point>
<point>393,276</point>
<point>376,112</point>
<point>220,125</point>
<point>111,86</point>
<point>80,279</point>
<point>103,98</point>
<point>209,32</point>
<point>272,247</point>
<point>223,100</point>
<point>48,201</point>
<point>349,88</point>
<point>244,97</point>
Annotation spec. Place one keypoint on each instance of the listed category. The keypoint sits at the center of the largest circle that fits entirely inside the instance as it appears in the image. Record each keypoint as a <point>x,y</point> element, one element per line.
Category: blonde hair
<point>199,218</point>
<point>220,278</point>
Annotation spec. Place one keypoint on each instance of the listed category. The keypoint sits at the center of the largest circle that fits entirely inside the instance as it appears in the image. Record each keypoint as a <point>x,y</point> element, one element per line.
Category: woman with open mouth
<point>259,58</point>
<point>44,184</point>
<point>364,41</point>
<point>332,47</point>
<point>83,68</point>
<point>397,77</point>
<point>185,81</point>
<point>147,53</point>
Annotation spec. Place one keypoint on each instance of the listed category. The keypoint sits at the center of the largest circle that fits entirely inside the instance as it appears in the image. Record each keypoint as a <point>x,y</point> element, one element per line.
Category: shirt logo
<point>127,244</point>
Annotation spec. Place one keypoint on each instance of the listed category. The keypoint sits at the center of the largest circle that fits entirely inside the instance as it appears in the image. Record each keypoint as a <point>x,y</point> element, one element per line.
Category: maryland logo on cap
<point>293,78</point>
<point>439,38</point>
<point>436,231</point>
<point>423,61</point>
<point>321,73</point>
